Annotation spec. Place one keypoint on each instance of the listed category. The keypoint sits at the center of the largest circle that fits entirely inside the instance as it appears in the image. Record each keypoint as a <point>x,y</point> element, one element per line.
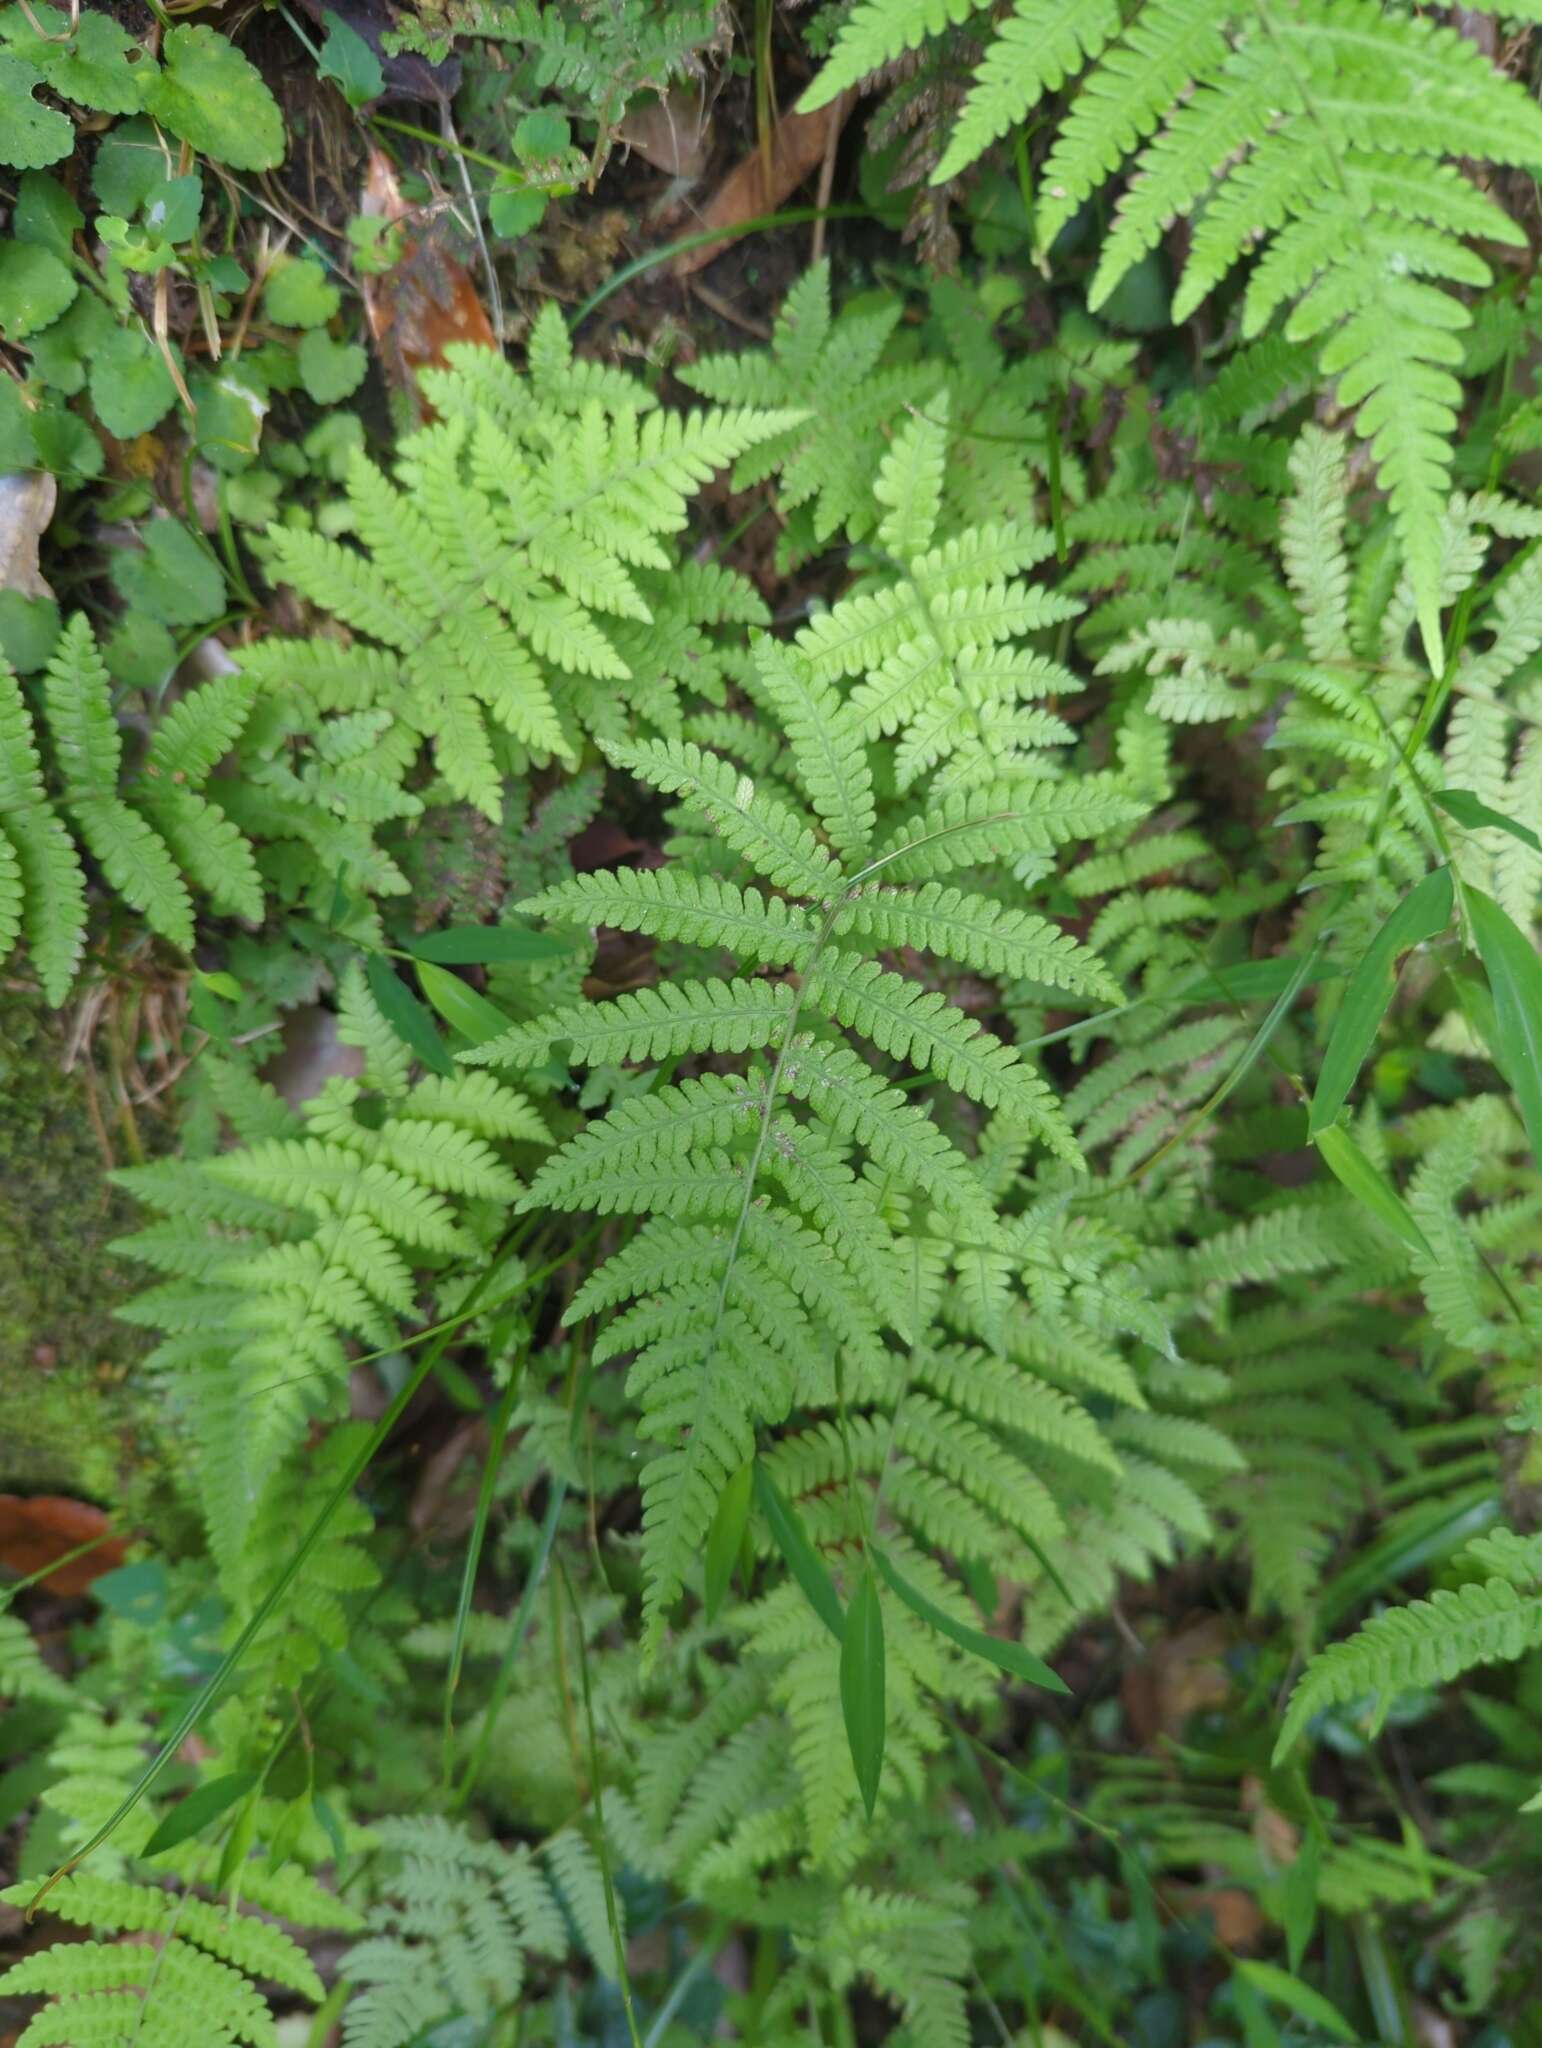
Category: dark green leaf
<point>1467,810</point>
<point>1515,976</point>
<point>175,579</point>
<point>406,1015</point>
<point>195,1812</point>
<point>331,1827</point>
<point>1299,1897</point>
<point>862,1687</point>
<point>35,288</point>
<point>477,945</point>
<point>472,1015</point>
<point>46,215</point>
<point>802,1560</point>
<point>1423,913</point>
<point>238,1845</point>
<point>727,1534</point>
<point>349,60</point>
<point>1272,1982</point>
<point>1009,1657</point>
<point>1371,1188</point>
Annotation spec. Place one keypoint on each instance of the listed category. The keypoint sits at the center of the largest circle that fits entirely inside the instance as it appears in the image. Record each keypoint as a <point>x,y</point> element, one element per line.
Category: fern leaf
<point>878,32</point>
<point>769,835</point>
<point>831,761</point>
<point>1428,1642</point>
<point>978,933</point>
<point>651,1023</point>
<point>138,863</point>
<point>1038,47</point>
<point>670,904</point>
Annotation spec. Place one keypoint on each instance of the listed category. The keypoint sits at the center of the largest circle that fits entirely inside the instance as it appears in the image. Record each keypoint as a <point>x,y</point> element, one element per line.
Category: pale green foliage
<point>1321,139</point>
<point>456,1920</point>
<point>523,529</point>
<point>149,839</point>
<point>279,1253</point>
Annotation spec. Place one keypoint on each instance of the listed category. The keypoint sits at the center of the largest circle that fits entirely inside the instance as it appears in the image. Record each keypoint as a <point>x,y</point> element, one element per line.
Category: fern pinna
<point>1318,141</point>
<point>149,839</point>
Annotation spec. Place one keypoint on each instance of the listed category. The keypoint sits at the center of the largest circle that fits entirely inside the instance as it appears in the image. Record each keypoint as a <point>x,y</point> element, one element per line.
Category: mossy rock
<point>75,1419</point>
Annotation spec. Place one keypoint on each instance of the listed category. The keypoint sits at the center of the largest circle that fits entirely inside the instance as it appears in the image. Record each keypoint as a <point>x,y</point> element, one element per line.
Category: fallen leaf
<point>34,1532</point>
<point>669,130</point>
<point>425,301</point>
<point>1180,1675</point>
<point>1235,1914</point>
<point>798,146</point>
<point>26,506</point>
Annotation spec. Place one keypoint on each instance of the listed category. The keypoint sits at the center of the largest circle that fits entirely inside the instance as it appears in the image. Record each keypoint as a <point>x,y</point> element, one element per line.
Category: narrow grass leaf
<point>1515,976</point>
<point>1423,913</point>
<point>862,1686</point>
<point>1009,1657</point>
<point>726,1535</point>
<point>1272,1982</point>
<point>413,1025</point>
<point>472,1015</point>
<point>192,1815</point>
<point>802,1560</point>
<point>1468,810</point>
<point>1343,1158</point>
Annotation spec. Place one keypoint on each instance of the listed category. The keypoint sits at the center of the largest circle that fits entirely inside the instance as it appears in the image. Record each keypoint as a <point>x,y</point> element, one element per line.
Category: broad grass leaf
<point>1515,976</point>
<point>862,1686</point>
<point>1009,1657</point>
<point>1423,912</point>
<point>193,1814</point>
<point>1370,1188</point>
<point>802,1560</point>
<point>1467,810</point>
<point>727,1534</point>
<point>413,1025</point>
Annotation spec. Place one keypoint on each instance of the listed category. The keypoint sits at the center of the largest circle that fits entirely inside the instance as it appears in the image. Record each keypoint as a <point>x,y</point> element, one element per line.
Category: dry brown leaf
<point>26,505</point>
<point>669,131</point>
<point>1179,1676</point>
<point>425,301</point>
<point>798,146</point>
<point>34,1532</point>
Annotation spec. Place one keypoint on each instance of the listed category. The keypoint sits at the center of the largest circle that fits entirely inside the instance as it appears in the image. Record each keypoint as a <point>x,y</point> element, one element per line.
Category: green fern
<point>1321,139</point>
<point>532,515</point>
<point>149,842</point>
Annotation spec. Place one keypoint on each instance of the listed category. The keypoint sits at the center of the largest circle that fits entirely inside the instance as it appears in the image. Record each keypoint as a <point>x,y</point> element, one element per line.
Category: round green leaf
<point>173,579</point>
<point>45,214</point>
<point>35,288</point>
<point>330,369</point>
<point>541,134</point>
<point>210,96</point>
<point>66,446</point>
<point>30,135</point>
<point>29,626</point>
<point>61,351</point>
<point>347,58</point>
<point>131,386</point>
<point>173,206</point>
<point>130,163</point>
<point>140,651</point>
<point>232,405</point>
<point>298,294</point>
<point>98,66</point>
<point>515,212</point>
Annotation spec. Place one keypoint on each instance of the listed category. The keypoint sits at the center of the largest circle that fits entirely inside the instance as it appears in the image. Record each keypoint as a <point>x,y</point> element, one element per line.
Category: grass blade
<point>1423,913</point>
<point>862,1686</point>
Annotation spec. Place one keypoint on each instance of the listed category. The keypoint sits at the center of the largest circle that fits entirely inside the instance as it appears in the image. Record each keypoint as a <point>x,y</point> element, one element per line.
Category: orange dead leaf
<point>798,146</point>
<point>34,1532</point>
<point>425,301</point>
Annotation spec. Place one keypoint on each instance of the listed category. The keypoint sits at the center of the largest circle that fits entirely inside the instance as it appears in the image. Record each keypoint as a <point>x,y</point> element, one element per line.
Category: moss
<point>76,1420</point>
